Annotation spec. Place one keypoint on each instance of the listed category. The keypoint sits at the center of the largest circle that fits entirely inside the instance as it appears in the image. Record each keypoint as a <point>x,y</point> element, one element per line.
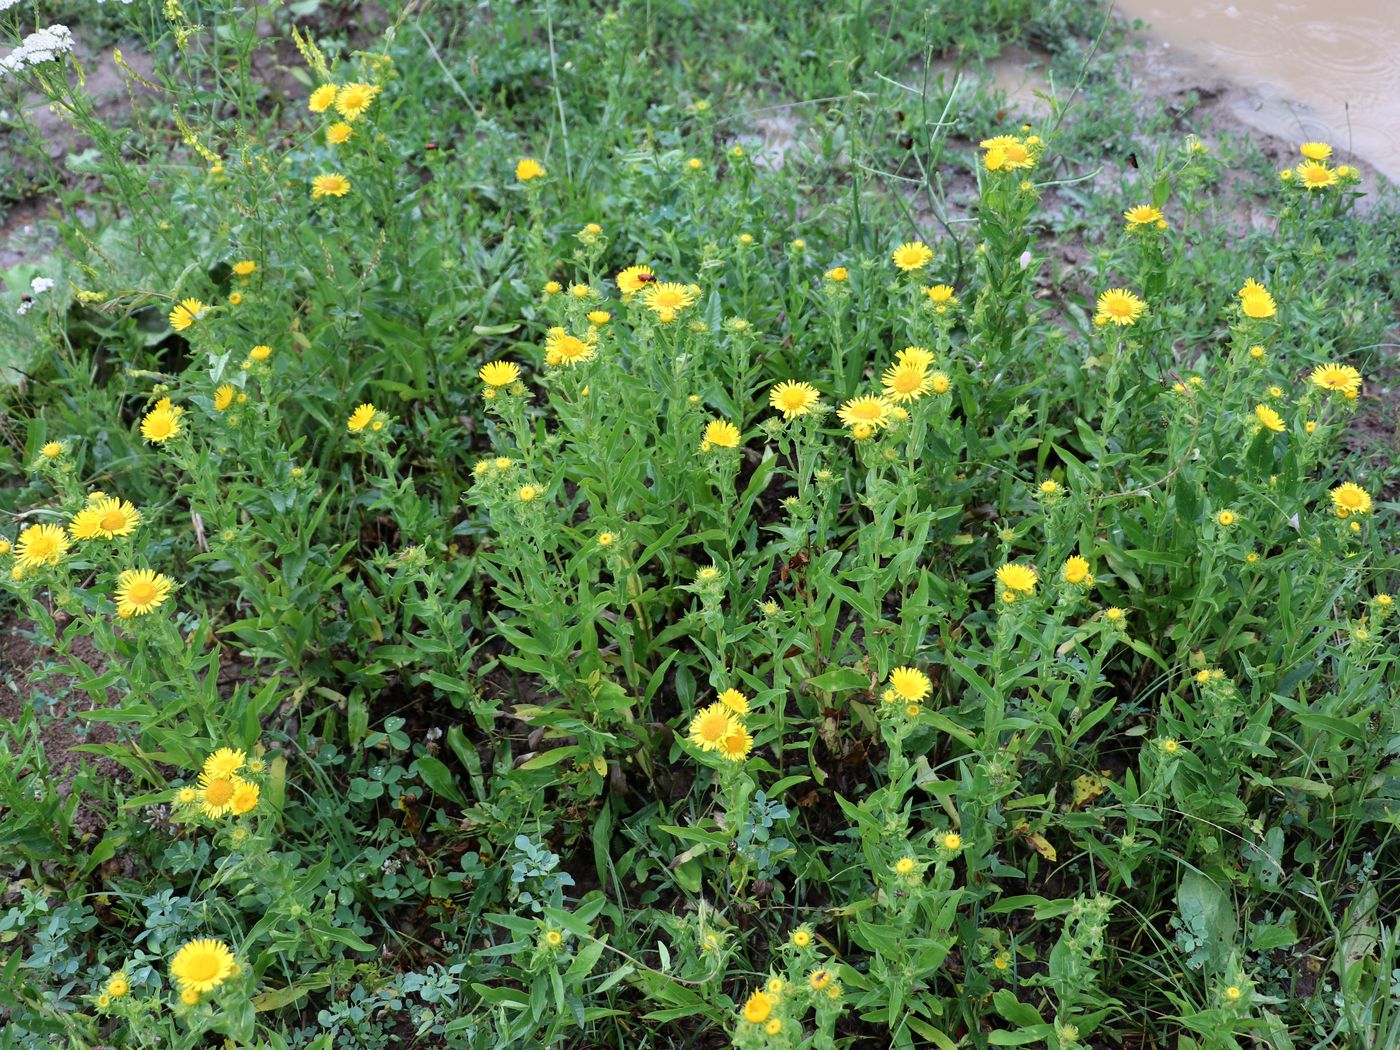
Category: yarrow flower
<point>45,45</point>
<point>1119,306</point>
<point>912,255</point>
<point>794,399</point>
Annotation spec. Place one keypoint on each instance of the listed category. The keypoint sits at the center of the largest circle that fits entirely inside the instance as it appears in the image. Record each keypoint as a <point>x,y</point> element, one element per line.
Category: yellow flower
<point>141,590</point>
<point>339,133</point>
<point>774,1026</point>
<point>1348,498</point>
<point>1019,579</point>
<point>108,518</point>
<point>52,450</point>
<point>735,701</point>
<point>527,493</point>
<point>871,412</point>
<point>261,352</point>
<point>694,164</point>
<point>186,313</point>
<point>1142,215</point>
<point>40,545</point>
<point>1233,993</point>
<point>722,433</point>
<point>939,382</point>
<point>352,100</point>
<point>1336,377</point>
<point>1269,418</point>
<point>332,185</point>
<point>224,762</point>
<point>634,278</point>
<point>362,417</point>
<point>1316,176</point>
<point>499,373</point>
<point>1255,300</point>
<point>599,317</point>
<point>244,267</point>
<point>712,726</point>
<point>666,298</point>
<point>4,546</point>
<point>223,397</point>
<point>529,168</point>
<point>215,795</point>
<point>941,293</point>
<point>912,255</point>
<point>818,979</point>
<point>793,399</point>
<point>836,274</point>
<point>737,743</point>
<point>606,539</point>
<point>117,985</point>
<point>906,382</point>
<point>553,938</point>
<point>909,683</point>
<point>322,98</point>
<point>245,797</point>
<point>1119,306</point>
<point>561,348</point>
<point>757,1008</point>
<point>952,842</point>
<point>1076,569</point>
<point>552,288</point>
<point>189,997</point>
<point>202,965</point>
<point>904,866</point>
<point>235,299</point>
<point>1114,615</point>
<point>1315,150</point>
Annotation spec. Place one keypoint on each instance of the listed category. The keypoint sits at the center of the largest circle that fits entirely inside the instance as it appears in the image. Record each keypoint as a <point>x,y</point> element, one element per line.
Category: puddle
<point>1313,70</point>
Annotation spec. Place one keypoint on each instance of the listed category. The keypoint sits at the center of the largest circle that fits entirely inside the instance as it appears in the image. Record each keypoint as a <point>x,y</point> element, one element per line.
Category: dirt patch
<point>55,700</point>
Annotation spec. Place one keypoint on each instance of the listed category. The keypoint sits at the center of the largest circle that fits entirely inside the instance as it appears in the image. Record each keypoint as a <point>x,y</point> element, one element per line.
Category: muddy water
<point>1317,69</point>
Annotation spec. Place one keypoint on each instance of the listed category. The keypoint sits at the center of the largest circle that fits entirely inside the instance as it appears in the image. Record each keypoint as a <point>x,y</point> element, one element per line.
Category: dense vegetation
<point>541,525</point>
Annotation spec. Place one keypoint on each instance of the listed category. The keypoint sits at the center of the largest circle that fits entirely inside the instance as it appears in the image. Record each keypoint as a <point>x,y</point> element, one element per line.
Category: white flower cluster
<point>46,45</point>
<point>38,286</point>
<point>5,5</point>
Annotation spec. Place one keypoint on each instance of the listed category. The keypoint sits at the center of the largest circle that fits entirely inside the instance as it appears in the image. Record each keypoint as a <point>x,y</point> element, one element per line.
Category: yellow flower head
<point>499,373</point>
<point>1342,378</point>
<point>561,348</point>
<point>599,317</point>
<point>737,743</point>
<point>941,293</point>
<point>757,1008</point>
<point>909,683</point>
<point>527,493</point>
<point>139,591</point>
<point>244,267</point>
<point>912,255</point>
<point>722,433</point>
<point>1256,301</point>
<point>339,133</point>
<point>1268,418</point>
<point>905,866</point>
<point>711,726</point>
<point>836,274</point>
<point>331,185</point>
<point>215,795</point>
<point>362,417</point>
<point>225,762</point>
<point>1315,150</point>
<point>202,965</point>
<point>352,100</point>
<point>1076,569</point>
<point>1119,306</point>
<point>735,701</point>
<point>794,399</point>
<point>322,98</point>
<point>108,518</point>
<point>186,313</point>
<point>1347,499</point>
<point>1314,176</point>
<point>245,797</point>
<point>634,278</point>
<point>952,842</point>
<point>1226,518</point>
<point>1019,579</point>
<point>528,168</point>
<point>1142,215</point>
<point>40,545</point>
<point>667,298</point>
<point>906,382</point>
<point>870,412</point>
<point>117,985</point>
<point>223,397</point>
<point>818,979</point>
